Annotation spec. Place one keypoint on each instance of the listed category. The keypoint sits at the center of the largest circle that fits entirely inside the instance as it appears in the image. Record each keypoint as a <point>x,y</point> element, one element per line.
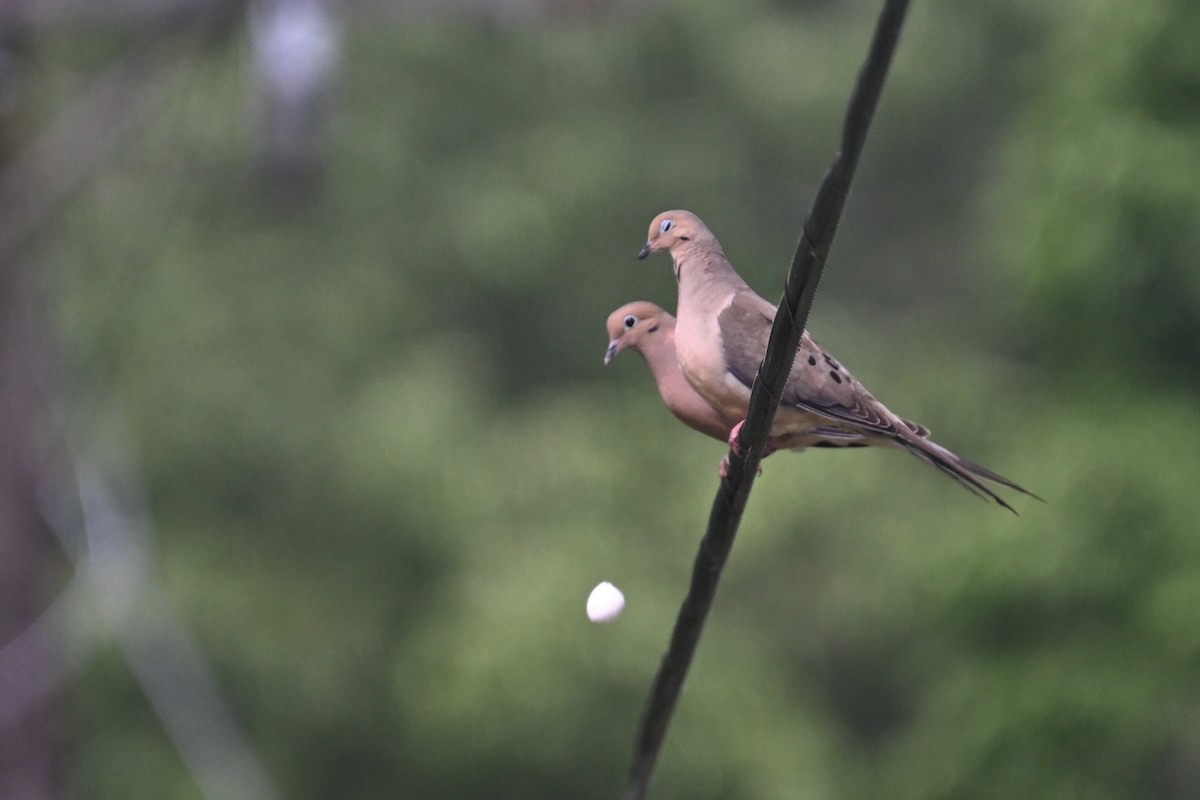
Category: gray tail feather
<point>967,474</point>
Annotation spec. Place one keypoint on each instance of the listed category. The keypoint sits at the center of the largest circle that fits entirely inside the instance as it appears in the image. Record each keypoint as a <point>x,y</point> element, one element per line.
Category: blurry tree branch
<point>105,533</point>
<point>27,754</point>
<point>154,640</point>
<point>790,320</point>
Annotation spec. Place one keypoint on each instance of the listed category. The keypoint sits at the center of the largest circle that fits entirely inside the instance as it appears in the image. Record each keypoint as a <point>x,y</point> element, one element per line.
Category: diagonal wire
<point>790,319</point>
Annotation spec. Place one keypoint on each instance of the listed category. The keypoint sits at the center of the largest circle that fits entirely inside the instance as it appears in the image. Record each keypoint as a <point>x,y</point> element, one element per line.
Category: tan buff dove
<point>648,329</point>
<point>721,334</point>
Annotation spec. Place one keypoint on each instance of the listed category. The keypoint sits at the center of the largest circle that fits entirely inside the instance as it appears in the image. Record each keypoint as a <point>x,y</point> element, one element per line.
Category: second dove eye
<point>664,226</point>
<point>630,321</point>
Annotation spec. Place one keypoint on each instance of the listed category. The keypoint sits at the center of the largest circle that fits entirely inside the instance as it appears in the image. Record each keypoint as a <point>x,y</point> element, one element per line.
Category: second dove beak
<point>645,251</point>
<point>611,352</point>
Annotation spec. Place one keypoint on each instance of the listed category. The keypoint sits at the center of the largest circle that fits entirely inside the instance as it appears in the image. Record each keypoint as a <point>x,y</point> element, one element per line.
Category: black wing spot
<point>837,378</point>
<point>812,361</point>
<point>829,360</point>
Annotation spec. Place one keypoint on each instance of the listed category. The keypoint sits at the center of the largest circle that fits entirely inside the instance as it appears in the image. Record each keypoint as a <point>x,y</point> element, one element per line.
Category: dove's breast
<point>701,358</point>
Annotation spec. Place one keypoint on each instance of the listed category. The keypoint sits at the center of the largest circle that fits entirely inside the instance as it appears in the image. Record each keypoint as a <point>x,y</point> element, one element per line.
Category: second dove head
<point>630,324</point>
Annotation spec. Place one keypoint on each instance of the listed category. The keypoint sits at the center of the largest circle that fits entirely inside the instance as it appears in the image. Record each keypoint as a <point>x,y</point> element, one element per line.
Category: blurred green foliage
<point>1104,163</point>
<point>387,465</point>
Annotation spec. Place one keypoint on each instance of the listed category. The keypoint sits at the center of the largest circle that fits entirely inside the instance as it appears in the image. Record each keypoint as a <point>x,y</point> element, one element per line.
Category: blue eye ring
<point>664,226</point>
<point>630,321</point>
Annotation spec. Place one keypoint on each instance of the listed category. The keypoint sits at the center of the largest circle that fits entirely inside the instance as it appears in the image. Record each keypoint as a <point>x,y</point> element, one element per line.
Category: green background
<point>386,465</point>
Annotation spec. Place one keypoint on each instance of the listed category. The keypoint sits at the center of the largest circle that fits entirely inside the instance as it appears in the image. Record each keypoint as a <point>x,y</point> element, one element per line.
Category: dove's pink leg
<point>735,445</point>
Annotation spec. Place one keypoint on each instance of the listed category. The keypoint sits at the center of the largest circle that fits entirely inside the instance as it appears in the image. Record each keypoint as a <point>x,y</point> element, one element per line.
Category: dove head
<point>673,228</point>
<point>634,325</point>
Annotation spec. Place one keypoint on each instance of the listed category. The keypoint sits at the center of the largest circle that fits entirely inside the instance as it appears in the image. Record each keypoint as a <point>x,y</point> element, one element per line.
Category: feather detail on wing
<point>817,383</point>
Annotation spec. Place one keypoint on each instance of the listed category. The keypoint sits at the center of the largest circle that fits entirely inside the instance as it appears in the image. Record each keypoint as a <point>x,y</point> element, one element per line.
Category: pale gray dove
<point>721,336</point>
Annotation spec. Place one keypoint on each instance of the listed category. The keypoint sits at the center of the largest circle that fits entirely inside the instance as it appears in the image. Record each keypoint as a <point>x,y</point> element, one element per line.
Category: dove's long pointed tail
<point>968,474</point>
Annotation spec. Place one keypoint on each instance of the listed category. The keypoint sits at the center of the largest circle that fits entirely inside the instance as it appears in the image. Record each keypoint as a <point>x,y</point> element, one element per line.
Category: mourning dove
<point>648,329</point>
<point>721,336</point>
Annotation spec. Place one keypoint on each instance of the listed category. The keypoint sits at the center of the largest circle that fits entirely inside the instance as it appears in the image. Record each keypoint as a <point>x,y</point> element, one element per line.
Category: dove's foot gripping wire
<point>736,447</point>
<point>734,444</point>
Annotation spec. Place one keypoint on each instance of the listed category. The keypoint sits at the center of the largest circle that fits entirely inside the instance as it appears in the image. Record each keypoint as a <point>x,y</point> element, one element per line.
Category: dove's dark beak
<point>614,347</point>
<point>645,251</point>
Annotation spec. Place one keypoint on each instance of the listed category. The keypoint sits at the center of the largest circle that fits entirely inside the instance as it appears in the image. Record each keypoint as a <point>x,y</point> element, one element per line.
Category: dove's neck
<point>661,359</point>
<point>703,274</point>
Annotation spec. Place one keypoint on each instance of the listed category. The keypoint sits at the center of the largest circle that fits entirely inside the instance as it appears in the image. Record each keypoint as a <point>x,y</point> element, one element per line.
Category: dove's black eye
<point>630,321</point>
<point>664,226</point>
